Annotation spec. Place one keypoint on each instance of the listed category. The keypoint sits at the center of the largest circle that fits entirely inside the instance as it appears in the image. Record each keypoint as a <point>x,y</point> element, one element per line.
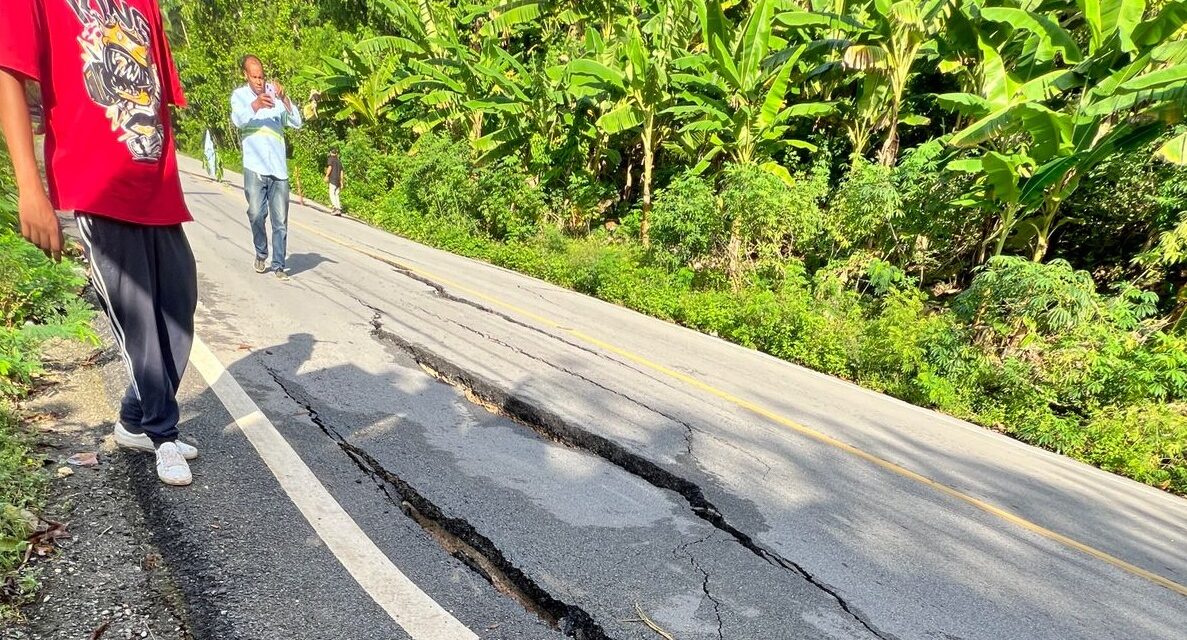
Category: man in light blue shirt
<point>261,111</point>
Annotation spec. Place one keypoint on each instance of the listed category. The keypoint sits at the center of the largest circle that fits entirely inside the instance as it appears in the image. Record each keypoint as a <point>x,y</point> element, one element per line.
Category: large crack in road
<point>455,535</point>
<point>489,395</point>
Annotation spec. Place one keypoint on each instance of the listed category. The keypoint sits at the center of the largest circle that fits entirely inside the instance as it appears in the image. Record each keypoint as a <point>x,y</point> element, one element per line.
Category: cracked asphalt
<point>544,465</point>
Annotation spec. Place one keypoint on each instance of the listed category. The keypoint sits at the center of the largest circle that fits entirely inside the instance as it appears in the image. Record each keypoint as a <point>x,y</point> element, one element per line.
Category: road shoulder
<point>107,579</point>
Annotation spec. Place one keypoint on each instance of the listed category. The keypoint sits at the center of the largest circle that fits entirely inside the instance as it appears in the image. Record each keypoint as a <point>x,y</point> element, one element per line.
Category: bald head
<point>253,71</point>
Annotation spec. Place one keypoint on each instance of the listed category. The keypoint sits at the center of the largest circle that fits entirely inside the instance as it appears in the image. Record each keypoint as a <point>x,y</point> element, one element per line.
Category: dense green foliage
<point>38,300</point>
<point>974,205</point>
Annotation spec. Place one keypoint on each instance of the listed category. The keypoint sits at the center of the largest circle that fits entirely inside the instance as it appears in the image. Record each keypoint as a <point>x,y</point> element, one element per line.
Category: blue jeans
<point>267,198</point>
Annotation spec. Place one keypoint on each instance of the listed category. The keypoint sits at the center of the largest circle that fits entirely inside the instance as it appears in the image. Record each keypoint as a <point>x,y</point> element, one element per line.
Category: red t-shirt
<point>107,80</point>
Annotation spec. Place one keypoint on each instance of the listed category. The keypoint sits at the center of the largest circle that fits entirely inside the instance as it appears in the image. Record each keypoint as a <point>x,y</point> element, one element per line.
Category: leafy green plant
<point>864,209</point>
<point>1147,442</point>
<point>512,205</point>
<point>1012,298</point>
<point>519,132</point>
<point>438,178</point>
<point>688,221</point>
<point>1071,111</point>
<point>768,218</point>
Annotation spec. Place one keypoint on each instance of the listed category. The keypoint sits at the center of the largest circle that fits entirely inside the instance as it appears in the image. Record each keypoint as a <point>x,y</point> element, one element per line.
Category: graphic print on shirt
<point>120,73</point>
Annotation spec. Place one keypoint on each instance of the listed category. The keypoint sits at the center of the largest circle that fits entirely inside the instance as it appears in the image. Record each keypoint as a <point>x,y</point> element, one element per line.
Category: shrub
<point>937,233</point>
<point>512,204</point>
<point>864,208</point>
<point>686,220</point>
<point>1012,297</point>
<point>370,174</point>
<point>32,288</point>
<point>771,218</point>
<point>437,178</point>
<point>1147,442</point>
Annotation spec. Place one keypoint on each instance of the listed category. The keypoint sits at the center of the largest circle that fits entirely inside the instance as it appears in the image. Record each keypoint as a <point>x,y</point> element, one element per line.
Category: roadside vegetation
<point>38,301</point>
<point>978,206</point>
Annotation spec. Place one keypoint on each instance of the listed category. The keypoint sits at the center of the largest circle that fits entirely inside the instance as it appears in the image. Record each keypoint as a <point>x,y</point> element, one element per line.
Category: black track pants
<point>148,286</point>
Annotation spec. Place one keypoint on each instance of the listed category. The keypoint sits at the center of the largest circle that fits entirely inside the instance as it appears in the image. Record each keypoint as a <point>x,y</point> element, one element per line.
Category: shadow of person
<point>302,262</point>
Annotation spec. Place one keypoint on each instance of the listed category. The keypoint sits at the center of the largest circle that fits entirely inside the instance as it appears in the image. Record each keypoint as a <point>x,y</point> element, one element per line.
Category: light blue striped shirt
<point>263,133</point>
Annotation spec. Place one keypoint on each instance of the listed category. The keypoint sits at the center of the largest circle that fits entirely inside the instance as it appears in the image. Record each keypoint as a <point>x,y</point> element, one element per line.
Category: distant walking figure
<point>211,157</point>
<point>261,110</point>
<point>335,178</point>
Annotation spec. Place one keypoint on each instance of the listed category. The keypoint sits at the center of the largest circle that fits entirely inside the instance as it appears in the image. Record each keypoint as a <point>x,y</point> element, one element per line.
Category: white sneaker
<point>171,467</point>
<point>141,442</point>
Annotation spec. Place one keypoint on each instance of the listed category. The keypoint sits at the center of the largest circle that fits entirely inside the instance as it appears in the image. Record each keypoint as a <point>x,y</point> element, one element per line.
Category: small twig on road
<point>103,532</point>
<point>98,633</point>
<point>650,624</point>
<point>149,629</point>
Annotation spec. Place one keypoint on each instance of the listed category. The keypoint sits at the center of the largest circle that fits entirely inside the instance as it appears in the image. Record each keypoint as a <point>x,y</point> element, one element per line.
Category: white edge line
<point>418,614</point>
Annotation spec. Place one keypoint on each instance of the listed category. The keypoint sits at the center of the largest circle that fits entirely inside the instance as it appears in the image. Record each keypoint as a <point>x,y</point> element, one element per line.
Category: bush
<point>37,302</point>
<point>686,220</point>
<point>512,204</point>
<point>938,234</point>
<point>437,178</point>
<point>32,288</point>
<point>773,219</point>
<point>864,208</point>
<point>1012,297</point>
<point>1147,442</point>
<point>371,175</point>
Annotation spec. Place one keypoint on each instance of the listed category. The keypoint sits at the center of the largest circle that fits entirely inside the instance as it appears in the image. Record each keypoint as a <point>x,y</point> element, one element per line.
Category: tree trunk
<point>475,127</point>
<point>735,254</point>
<point>889,153</point>
<point>1043,235</point>
<point>1041,246</point>
<point>593,164</point>
<point>1009,219</point>
<point>983,244</point>
<point>648,165</point>
<point>628,180</point>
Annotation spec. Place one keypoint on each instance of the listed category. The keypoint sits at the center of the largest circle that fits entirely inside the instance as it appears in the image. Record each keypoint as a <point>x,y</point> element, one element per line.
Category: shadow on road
<point>808,511</point>
<point>301,262</point>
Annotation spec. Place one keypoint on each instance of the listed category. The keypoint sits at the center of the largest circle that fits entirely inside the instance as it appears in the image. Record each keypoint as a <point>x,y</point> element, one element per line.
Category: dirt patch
<point>106,580</point>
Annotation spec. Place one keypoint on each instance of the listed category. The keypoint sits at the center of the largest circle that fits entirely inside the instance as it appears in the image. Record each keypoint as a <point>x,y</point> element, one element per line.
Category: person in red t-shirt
<point>107,79</point>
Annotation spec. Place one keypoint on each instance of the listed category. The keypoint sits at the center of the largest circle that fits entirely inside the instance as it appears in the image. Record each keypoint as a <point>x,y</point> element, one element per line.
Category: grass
<point>22,489</point>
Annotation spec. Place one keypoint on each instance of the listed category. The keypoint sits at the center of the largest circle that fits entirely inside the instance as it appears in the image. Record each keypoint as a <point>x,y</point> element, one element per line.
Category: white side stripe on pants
<point>87,232</point>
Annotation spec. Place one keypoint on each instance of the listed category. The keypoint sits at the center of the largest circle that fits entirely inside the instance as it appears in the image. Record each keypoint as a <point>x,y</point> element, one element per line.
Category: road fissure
<point>456,536</point>
<point>689,430</point>
<point>552,426</point>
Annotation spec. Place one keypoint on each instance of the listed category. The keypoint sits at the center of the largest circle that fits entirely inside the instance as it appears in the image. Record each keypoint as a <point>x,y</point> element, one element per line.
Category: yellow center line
<point>784,421</point>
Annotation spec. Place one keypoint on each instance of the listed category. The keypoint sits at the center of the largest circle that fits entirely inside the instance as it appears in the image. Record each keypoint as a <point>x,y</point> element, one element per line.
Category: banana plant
<point>365,84</point>
<point>736,87</point>
<point>887,55</point>
<point>460,72</point>
<point>735,90</point>
<point>636,74</point>
<point>1120,96</point>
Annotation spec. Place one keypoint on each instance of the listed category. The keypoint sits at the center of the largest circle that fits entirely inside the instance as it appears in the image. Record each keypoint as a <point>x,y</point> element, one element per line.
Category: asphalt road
<point>541,464</point>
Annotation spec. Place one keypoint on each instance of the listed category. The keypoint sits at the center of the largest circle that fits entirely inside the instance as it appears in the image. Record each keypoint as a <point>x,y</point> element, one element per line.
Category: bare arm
<point>39,223</point>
